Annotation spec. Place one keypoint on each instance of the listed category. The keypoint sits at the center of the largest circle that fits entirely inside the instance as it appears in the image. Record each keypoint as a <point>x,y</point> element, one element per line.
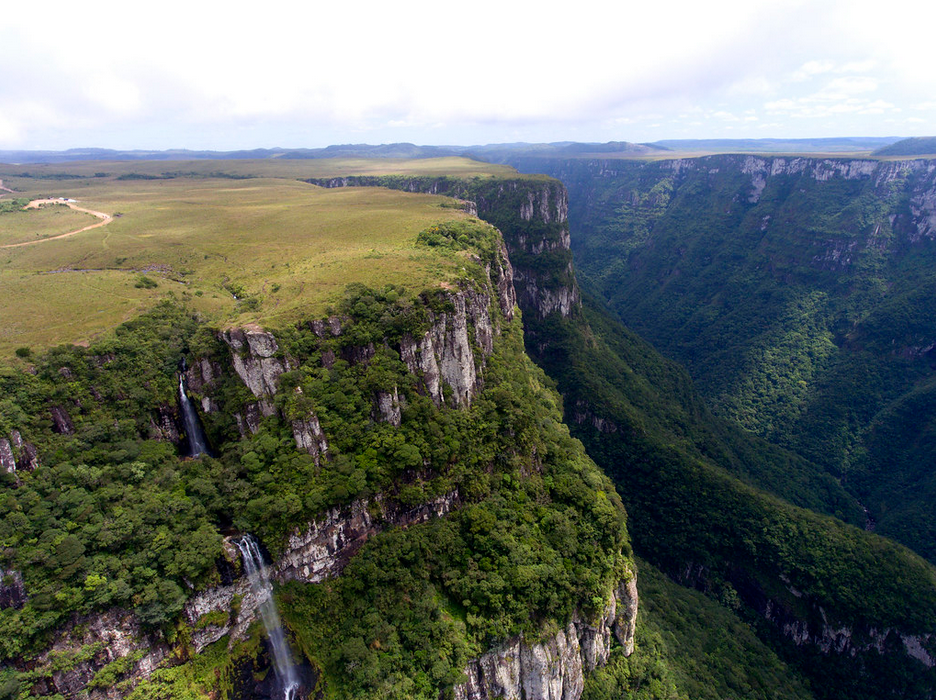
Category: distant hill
<point>392,150</point>
<point>829,145</point>
<point>502,152</point>
<point>497,153</point>
<point>921,145</point>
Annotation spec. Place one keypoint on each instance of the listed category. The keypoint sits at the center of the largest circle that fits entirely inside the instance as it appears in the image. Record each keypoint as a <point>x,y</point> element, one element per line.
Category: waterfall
<point>197,443</point>
<point>260,584</point>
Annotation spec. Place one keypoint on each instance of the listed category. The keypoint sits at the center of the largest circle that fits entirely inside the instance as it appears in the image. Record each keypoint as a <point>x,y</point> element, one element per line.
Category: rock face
<point>165,425</point>
<point>323,549</point>
<point>443,356</point>
<point>12,591</point>
<point>22,455</point>
<point>7,461</point>
<point>108,636</point>
<point>539,228</point>
<point>387,408</point>
<point>256,360</point>
<point>61,421</point>
<point>554,669</point>
<point>818,631</point>
<point>309,437</point>
<point>234,620</point>
<point>201,378</point>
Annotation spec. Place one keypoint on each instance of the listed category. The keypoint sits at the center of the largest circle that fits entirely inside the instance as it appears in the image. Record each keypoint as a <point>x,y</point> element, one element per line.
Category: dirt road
<point>36,203</point>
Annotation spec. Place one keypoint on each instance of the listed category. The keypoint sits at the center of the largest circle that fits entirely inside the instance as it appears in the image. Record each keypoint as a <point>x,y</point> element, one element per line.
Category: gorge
<point>434,527</point>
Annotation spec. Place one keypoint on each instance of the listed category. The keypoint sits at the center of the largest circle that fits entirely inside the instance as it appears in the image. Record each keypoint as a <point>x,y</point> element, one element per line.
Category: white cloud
<point>324,69</point>
<point>812,68</point>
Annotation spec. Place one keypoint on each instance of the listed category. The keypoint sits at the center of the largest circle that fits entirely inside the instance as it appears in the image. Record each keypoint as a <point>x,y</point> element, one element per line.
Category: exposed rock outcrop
<point>7,461</point>
<point>309,437</point>
<point>61,421</point>
<point>388,406</point>
<point>323,549</point>
<point>12,590</point>
<point>257,361</point>
<point>201,378</point>
<point>165,425</point>
<point>554,668</point>
<point>444,357</point>
<point>313,554</point>
<point>25,455</point>
<point>108,636</point>
<point>817,630</point>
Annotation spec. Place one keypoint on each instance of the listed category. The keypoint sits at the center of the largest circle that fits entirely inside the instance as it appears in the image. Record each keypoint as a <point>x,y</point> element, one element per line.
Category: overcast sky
<point>192,74</point>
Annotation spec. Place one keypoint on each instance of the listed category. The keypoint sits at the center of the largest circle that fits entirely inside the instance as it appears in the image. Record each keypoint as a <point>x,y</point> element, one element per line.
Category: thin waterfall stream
<point>260,583</point>
<point>197,442</point>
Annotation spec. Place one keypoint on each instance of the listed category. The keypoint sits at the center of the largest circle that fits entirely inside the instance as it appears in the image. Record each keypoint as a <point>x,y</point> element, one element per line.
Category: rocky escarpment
<point>15,453</point>
<point>12,591</point>
<point>824,635</point>
<point>443,355</point>
<point>915,219</point>
<point>321,550</point>
<point>554,668</point>
<point>257,360</point>
<point>76,663</point>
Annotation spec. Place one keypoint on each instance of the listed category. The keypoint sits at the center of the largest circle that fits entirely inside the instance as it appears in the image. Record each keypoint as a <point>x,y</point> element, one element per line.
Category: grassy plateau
<point>242,241</point>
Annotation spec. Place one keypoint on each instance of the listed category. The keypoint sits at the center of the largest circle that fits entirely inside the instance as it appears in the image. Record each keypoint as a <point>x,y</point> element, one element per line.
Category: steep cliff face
<point>74,665</point>
<point>554,668</point>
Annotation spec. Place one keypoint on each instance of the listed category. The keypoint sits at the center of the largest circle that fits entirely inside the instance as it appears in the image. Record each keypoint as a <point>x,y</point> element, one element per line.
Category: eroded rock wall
<point>554,668</point>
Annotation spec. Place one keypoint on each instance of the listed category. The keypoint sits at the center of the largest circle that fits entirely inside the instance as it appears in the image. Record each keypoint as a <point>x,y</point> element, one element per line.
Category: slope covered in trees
<point>832,599</point>
<point>796,291</point>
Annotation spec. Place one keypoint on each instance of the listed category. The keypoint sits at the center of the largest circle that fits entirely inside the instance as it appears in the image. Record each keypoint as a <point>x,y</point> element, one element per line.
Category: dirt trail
<point>36,203</point>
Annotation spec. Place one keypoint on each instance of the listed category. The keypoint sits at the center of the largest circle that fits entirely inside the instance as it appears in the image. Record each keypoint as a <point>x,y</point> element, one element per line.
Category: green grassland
<point>46,177</point>
<point>240,249</point>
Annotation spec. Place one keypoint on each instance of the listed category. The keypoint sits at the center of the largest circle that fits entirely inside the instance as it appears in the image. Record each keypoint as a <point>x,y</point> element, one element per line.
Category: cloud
<point>320,70</point>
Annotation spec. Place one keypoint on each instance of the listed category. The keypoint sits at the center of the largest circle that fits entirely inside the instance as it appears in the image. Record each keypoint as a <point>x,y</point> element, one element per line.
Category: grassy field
<point>45,178</point>
<point>268,250</point>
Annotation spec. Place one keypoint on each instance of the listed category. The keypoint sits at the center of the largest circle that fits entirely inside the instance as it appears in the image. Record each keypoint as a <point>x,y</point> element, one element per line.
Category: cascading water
<point>260,583</point>
<point>197,443</point>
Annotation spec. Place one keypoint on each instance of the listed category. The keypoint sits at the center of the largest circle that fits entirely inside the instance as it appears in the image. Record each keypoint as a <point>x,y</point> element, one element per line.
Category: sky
<point>211,75</point>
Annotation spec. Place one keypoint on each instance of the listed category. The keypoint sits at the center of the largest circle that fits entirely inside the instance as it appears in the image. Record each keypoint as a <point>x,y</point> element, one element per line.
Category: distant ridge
<point>918,146</point>
<point>499,152</point>
<point>490,152</point>
<point>826,145</point>
<point>393,150</point>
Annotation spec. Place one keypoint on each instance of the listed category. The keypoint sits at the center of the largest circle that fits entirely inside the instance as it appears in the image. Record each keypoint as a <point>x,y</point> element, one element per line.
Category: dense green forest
<point>797,293</point>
